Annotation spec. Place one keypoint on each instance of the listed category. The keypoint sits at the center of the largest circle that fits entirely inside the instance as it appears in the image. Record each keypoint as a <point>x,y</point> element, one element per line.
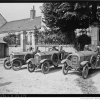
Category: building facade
<point>23,28</point>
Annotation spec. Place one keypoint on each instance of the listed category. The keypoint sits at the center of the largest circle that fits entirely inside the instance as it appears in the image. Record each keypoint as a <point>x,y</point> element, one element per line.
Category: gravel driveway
<point>24,82</point>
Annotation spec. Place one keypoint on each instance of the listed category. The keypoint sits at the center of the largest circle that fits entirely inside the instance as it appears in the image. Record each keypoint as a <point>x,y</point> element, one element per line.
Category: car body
<point>17,59</point>
<point>82,61</point>
<point>44,60</point>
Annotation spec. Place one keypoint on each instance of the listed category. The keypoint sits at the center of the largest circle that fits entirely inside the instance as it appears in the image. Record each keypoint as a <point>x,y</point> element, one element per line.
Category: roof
<point>1,40</point>
<point>2,20</point>
<point>20,25</point>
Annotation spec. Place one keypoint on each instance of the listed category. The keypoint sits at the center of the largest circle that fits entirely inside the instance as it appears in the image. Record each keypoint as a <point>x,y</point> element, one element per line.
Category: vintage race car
<point>17,59</point>
<point>82,61</point>
<point>44,60</point>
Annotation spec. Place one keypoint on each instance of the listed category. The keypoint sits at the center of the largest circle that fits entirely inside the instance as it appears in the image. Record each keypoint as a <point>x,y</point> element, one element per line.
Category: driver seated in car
<point>86,48</point>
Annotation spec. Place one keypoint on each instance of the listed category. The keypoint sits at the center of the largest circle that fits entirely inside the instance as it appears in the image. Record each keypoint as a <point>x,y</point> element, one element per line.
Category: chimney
<point>32,13</point>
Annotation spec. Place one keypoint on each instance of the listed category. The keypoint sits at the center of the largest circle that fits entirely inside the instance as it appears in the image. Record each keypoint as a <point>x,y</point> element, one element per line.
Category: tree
<point>68,16</point>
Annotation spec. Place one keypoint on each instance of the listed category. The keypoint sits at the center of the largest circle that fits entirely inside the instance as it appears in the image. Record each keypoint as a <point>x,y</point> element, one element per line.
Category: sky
<point>17,11</point>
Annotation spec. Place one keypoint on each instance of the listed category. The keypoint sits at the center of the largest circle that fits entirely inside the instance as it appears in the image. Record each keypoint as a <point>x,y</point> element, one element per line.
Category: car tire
<point>16,65</point>
<point>7,64</point>
<point>85,71</point>
<point>31,67</point>
<point>45,67</point>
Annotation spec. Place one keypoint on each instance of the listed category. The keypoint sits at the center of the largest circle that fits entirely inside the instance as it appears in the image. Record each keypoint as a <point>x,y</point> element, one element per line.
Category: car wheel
<point>65,68</point>
<point>7,64</point>
<point>85,71</point>
<point>31,67</point>
<point>16,65</point>
<point>45,67</point>
<point>55,59</point>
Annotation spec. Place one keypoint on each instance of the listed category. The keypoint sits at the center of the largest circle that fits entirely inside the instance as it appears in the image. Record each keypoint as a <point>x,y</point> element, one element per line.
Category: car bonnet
<point>47,53</point>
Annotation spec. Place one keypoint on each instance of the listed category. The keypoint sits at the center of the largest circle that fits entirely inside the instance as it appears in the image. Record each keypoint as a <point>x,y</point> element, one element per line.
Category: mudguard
<point>64,60</point>
<point>67,61</point>
<point>23,62</point>
<point>7,58</point>
<point>13,59</point>
<point>43,60</point>
<point>31,59</point>
<point>83,63</point>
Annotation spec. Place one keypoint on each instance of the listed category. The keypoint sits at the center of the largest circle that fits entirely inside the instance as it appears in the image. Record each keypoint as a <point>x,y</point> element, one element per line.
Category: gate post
<point>95,35</point>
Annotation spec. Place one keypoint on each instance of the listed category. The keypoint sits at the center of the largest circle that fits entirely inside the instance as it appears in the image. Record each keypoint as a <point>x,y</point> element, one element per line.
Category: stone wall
<point>14,49</point>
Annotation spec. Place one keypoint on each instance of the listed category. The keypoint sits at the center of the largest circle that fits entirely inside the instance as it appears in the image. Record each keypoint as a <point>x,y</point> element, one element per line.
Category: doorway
<point>83,40</point>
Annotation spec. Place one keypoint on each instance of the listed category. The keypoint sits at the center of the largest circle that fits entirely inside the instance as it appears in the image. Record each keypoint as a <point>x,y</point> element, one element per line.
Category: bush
<point>12,39</point>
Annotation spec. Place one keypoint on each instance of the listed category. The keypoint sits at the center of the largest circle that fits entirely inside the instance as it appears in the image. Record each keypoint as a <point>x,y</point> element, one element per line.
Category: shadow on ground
<point>74,72</point>
<point>52,70</point>
<point>23,68</point>
<point>6,83</point>
<point>92,73</point>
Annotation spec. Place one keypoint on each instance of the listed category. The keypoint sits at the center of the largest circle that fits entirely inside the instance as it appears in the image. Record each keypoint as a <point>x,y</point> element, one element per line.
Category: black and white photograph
<point>50,48</point>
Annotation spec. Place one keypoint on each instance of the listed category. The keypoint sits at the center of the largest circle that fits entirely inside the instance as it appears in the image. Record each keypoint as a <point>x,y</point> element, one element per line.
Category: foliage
<point>67,16</point>
<point>54,37</point>
<point>12,39</point>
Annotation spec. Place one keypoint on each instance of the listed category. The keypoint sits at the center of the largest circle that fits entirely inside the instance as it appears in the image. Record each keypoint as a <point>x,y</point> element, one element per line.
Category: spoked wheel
<point>93,62</point>
<point>7,64</point>
<point>45,67</point>
<point>31,67</point>
<point>85,71</point>
<point>55,59</point>
<point>65,68</point>
<point>16,65</point>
